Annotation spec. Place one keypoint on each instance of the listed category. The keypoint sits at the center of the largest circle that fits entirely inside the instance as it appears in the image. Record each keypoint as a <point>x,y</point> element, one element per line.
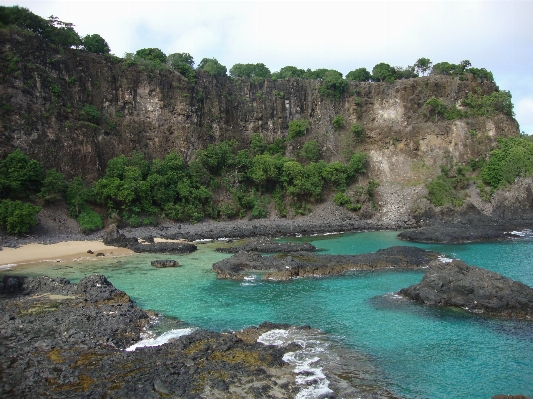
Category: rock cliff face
<point>44,91</point>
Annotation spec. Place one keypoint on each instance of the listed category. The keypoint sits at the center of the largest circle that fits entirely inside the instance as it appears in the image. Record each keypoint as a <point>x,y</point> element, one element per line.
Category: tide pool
<point>420,352</point>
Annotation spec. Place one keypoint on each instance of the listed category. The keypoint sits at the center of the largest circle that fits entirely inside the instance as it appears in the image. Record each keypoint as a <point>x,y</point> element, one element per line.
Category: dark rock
<point>100,254</point>
<point>474,289</point>
<point>115,238</point>
<point>267,245</point>
<point>165,248</point>
<point>165,263</point>
<point>307,264</point>
<point>90,252</point>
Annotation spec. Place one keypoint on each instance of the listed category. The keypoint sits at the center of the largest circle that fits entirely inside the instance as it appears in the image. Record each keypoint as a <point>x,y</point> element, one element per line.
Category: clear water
<point>421,352</point>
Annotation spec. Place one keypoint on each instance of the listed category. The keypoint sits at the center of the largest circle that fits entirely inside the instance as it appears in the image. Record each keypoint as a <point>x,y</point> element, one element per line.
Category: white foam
<point>162,339</point>
<point>307,366</point>
<point>444,259</point>
<point>8,266</point>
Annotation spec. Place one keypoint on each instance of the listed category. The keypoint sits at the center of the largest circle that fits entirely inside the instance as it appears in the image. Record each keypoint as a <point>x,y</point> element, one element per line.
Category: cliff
<point>48,96</point>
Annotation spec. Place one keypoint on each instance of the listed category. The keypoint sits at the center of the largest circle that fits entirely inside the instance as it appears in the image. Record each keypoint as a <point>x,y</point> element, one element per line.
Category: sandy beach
<point>59,252</point>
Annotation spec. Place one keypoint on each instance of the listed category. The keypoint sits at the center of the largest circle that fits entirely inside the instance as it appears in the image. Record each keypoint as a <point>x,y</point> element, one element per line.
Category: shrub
<point>89,220</point>
<point>54,186</point>
<point>297,128</point>
<point>257,144</point>
<point>383,72</point>
<point>488,105</point>
<point>17,217</point>
<point>441,192</point>
<point>20,175</point>
<point>250,71</point>
<point>277,147</point>
<point>91,113</point>
<point>357,130</point>
<point>184,64</point>
<point>338,122</point>
<point>310,151</point>
<point>288,72</point>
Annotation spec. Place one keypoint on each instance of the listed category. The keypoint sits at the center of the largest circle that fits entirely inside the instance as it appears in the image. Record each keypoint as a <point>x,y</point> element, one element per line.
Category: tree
<point>17,217</point>
<point>152,54</point>
<point>212,66</point>
<point>297,128</point>
<point>249,71</point>
<point>333,84</point>
<point>20,175</point>
<point>359,75</point>
<point>288,72</point>
<point>257,144</point>
<point>357,130</point>
<point>383,72</point>
<point>423,65</point>
<point>95,44</point>
<point>310,151</point>
<point>62,33</point>
<point>338,122</point>
<point>184,64</point>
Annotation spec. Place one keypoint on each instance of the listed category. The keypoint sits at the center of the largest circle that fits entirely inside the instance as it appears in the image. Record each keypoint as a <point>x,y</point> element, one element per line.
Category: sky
<point>346,35</point>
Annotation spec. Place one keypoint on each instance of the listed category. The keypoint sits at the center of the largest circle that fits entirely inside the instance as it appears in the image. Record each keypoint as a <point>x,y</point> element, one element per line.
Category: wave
<point>161,339</point>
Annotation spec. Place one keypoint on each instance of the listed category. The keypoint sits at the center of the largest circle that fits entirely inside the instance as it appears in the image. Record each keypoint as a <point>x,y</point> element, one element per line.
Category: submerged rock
<point>267,245</point>
<point>165,263</point>
<point>306,264</point>
<point>476,290</point>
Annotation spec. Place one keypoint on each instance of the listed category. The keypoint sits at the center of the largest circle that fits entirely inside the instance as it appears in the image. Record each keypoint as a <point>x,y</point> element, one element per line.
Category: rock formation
<point>474,289</point>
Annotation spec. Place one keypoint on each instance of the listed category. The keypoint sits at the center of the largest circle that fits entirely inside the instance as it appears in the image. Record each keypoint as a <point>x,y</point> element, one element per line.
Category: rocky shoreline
<point>66,340</point>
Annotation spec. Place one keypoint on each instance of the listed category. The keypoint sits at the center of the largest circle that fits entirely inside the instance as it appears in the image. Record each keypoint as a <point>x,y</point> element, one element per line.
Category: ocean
<point>370,335</point>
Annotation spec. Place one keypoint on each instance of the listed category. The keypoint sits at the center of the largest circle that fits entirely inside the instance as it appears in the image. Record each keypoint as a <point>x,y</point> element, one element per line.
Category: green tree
<point>288,72</point>
<point>297,128</point>
<point>95,44</point>
<point>152,54</point>
<point>91,113</point>
<point>359,75</point>
<point>310,151</point>
<point>62,33</point>
<point>338,122</point>
<point>357,130</point>
<point>17,217</point>
<point>383,72</point>
<point>212,66</point>
<point>53,187</point>
<point>184,64</point>
<point>423,65</point>
<point>250,71</point>
<point>20,175</point>
<point>257,145</point>
<point>333,85</point>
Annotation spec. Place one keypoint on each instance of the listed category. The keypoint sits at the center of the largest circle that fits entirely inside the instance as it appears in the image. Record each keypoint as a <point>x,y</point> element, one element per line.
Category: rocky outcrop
<point>266,245</point>
<point>476,290</point>
<point>66,340</point>
<point>305,264</point>
<point>163,263</point>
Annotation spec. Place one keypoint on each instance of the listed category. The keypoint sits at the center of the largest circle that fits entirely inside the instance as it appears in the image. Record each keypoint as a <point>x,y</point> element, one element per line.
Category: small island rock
<point>162,263</point>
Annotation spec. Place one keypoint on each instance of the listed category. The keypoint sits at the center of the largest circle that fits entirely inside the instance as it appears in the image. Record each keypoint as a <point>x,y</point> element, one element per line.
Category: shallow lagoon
<point>420,352</point>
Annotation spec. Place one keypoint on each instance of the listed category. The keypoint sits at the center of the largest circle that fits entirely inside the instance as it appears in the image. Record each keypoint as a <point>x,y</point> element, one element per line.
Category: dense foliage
<point>212,66</point>
<point>250,71</point>
<point>95,44</point>
<point>297,128</point>
<point>184,64</point>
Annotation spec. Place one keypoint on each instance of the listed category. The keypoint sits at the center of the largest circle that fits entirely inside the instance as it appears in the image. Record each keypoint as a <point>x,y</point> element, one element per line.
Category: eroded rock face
<point>474,289</point>
<point>307,264</point>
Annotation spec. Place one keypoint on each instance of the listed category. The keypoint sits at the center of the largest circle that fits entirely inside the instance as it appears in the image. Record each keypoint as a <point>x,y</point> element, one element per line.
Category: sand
<point>60,252</point>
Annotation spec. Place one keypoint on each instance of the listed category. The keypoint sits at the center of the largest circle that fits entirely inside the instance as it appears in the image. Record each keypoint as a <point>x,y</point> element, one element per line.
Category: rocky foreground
<point>476,290</point>
<point>308,264</point>
<point>66,340</point>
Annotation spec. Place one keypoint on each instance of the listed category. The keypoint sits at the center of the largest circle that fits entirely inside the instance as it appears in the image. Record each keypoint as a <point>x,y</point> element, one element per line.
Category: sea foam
<point>162,339</point>
<point>306,361</point>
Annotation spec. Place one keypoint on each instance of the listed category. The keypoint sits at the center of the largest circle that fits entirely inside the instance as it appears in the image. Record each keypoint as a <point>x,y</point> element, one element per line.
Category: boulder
<point>476,290</point>
<point>165,263</point>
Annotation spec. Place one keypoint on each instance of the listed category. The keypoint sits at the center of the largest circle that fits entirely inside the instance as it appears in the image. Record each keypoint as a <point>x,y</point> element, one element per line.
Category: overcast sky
<point>496,35</point>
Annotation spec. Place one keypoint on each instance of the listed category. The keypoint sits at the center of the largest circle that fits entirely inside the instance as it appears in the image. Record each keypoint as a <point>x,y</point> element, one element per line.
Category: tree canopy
<point>250,71</point>
<point>212,66</point>
<point>95,44</point>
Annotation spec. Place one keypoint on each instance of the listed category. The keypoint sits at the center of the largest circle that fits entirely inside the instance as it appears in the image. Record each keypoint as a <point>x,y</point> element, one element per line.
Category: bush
<point>89,220</point>
<point>257,144</point>
<point>488,105</point>
<point>288,72</point>
<point>357,130</point>
<point>184,64</point>
<point>383,72</point>
<point>250,71</point>
<point>17,217</point>
<point>310,151</point>
<point>20,176</point>
<point>297,128</point>
<point>338,122</point>
<point>54,186</point>
<point>441,192</point>
<point>91,113</point>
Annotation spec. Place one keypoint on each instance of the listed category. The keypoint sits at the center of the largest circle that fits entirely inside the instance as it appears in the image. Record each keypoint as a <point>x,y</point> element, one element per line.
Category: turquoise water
<point>421,352</point>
